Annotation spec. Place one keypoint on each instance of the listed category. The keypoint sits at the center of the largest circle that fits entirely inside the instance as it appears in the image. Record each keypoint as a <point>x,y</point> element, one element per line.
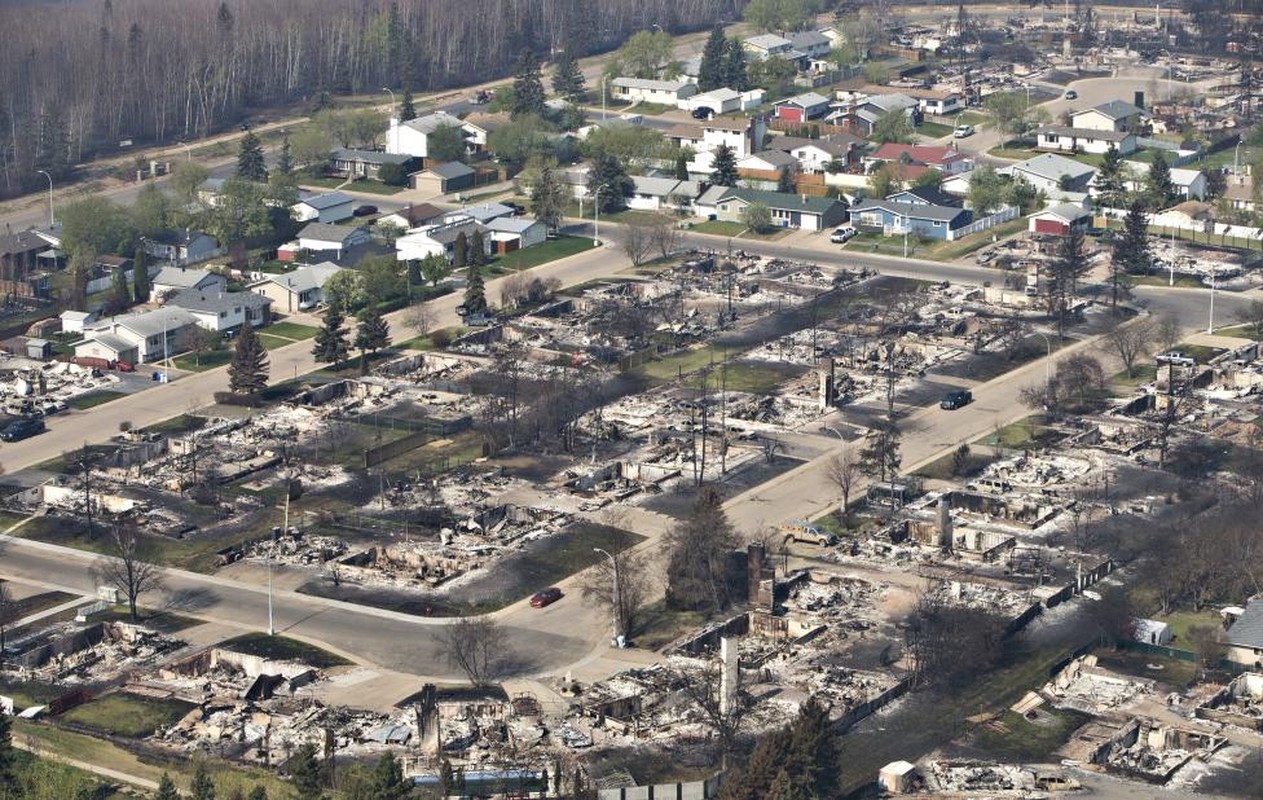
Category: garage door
<point>1052,226</point>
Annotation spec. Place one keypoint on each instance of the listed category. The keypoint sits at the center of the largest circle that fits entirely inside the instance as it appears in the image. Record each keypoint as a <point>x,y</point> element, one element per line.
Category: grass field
<point>283,648</point>
<point>161,621</point>
<point>934,130</point>
<point>1140,373</point>
<point>291,330</point>
<point>1238,332</point>
<point>209,359</point>
<point>94,399</point>
<point>127,715</point>
<point>737,230</point>
<point>551,250</point>
<point>1200,352</point>
<point>943,468</point>
<point>271,342</point>
<point>1026,432</point>
<point>1181,281</point>
<point>367,187</point>
<point>1012,737</point>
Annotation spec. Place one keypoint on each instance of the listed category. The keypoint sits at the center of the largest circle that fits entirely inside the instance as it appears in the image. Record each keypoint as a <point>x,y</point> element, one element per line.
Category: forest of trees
<point>83,76</point>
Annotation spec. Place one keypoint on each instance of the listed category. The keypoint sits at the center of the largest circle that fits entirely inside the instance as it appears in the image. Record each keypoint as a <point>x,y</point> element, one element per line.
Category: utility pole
<point>617,608</point>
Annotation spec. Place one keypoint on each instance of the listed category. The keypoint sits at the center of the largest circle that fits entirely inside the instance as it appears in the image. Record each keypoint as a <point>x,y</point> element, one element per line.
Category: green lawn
<point>427,342</point>
<point>1012,737</point>
<point>665,370</point>
<point>94,399</point>
<point>1025,432</point>
<point>1238,332</point>
<point>292,330</point>
<point>1182,621</point>
<point>28,693</point>
<point>200,363</point>
<point>947,251</point>
<point>1181,281</point>
<point>943,468</point>
<point>934,130</point>
<point>1012,153</point>
<point>1200,352</point>
<point>1140,373</point>
<point>737,230</point>
<point>367,187</point>
<point>271,342</point>
<point>161,621</point>
<point>127,715</point>
<point>757,377</point>
<point>283,648</point>
<point>974,118</point>
<point>551,250</point>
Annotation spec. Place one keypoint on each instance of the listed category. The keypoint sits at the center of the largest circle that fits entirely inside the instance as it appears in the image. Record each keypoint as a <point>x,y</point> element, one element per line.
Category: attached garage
<point>444,178</point>
<point>1060,220</point>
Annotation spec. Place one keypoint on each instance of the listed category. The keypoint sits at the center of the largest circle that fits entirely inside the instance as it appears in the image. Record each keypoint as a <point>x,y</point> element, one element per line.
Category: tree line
<point>91,75</point>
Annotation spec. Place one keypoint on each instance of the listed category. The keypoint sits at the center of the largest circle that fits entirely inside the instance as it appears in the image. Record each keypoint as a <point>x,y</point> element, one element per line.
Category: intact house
<point>743,135</point>
<point>1240,193</point>
<point>181,246</point>
<point>1189,184</point>
<point>76,321</point>
<point>515,233</point>
<point>766,164</point>
<point>812,44</point>
<point>787,210</point>
<point>224,312</point>
<point>940,103</point>
<point>802,108</point>
<point>926,196</point>
<point>642,90</point>
<point>1115,115</point>
<point>366,163</point>
<point>1060,219</point>
<point>299,290</point>
<point>414,216</point>
<point>326,207</point>
<point>1244,639</point>
<point>767,45</point>
<point>139,338</point>
<point>176,279</point>
<point>864,115</point>
<point>440,239</point>
<point>445,178</point>
<point>318,237</point>
<point>483,212</point>
<point>916,158</point>
<point>412,137</point>
<point>814,155</point>
<point>1063,139</point>
<point>20,270</point>
<point>915,219</point>
<point>725,101</point>
<point>1050,173</point>
<point>656,194</point>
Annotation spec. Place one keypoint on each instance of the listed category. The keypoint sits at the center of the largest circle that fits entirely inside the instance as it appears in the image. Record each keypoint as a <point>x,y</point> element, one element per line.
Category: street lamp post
<point>392,95</point>
<point>1048,361</point>
<point>614,566</point>
<point>596,211</point>
<point>188,151</point>
<point>52,220</point>
<point>1210,323</point>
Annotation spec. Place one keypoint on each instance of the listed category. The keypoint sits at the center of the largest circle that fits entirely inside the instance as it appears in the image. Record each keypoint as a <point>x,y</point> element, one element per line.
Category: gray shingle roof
<point>1053,167</point>
<point>1247,631</point>
<point>180,277</point>
<point>214,302</point>
<point>431,122</point>
<point>307,277</point>
<point>324,232</point>
<point>148,323</point>
<point>450,170</point>
<point>768,41</point>
<point>777,158</point>
<point>912,210</point>
<point>805,100</point>
<point>782,200</point>
<point>1116,109</point>
<point>650,84</point>
<point>369,156</point>
<point>320,202</point>
<point>805,39</point>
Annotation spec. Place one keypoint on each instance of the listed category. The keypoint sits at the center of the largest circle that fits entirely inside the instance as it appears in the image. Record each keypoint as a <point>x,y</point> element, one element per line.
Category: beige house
<point>1244,639</point>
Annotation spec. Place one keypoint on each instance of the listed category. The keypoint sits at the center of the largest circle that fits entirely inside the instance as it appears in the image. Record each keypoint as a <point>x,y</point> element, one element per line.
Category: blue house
<point>918,219</point>
<point>926,196</point>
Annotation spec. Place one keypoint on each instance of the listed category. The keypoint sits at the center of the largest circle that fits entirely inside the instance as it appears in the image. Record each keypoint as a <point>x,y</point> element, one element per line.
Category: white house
<point>224,312</point>
<point>319,237</point>
<point>720,101</point>
<point>767,161</point>
<point>939,102</point>
<point>515,233</point>
<point>177,279</point>
<point>1189,184</point>
<point>483,212</point>
<point>440,239</point>
<point>1049,172</point>
<point>766,45</point>
<point>412,137</point>
<point>656,194</point>
<point>326,207</point>
<point>743,135</point>
<point>641,90</point>
<point>812,44</point>
<point>299,290</point>
<point>815,154</point>
<point>76,321</point>
<point>152,335</point>
<point>1115,115</point>
<point>181,246</point>
<point>1063,139</point>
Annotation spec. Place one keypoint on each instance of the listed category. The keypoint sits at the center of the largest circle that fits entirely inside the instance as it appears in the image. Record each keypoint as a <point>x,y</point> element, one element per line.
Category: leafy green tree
<point>611,179</point>
<point>893,126</point>
<point>241,213</point>
<point>682,160</point>
<point>447,143</point>
<point>372,333</point>
<point>7,751</point>
<point>882,182</point>
<point>1158,186</point>
<point>780,15</point>
<point>120,296</point>
<point>758,217</point>
<point>346,291</point>
<point>285,158</point>
<point>95,226</point>
<point>525,136</point>
<point>140,274</point>
<point>393,174</point>
<point>307,774</point>
<point>528,86</point>
<point>712,72</point>
<point>311,146</point>
<point>331,340</point>
<point>407,108</point>
<point>1013,115</point>
<point>1022,194</point>
<point>250,163</point>
<point>548,197</point>
<point>187,179</point>
<point>152,210</point>
<point>724,166</point>
<point>166,789</point>
<point>931,177</point>
<point>202,787</point>
<point>460,251</point>
<point>568,80</point>
<point>736,67</point>
<point>630,144</point>
<point>248,370</point>
<point>477,249</point>
<point>380,279</point>
<point>785,181</point>
<point>645,52</point>
<point>986,190</point>
<point>475,291</point>
<point>1110,186</point>
<point>434,268</point>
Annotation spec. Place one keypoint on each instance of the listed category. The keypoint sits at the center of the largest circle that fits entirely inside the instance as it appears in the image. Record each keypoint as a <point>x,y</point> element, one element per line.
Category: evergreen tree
<point>414,276</point>
<point>724,166</point>
<point>547,199</point>
<point>407,109</point>
<point>1071,264</point>
<point>248,370</point>
<point>609,174</point>
<point>250,163</point>
<point>736,75</point>
<point>202,788</point>
<point>528,86</point>
<point>120,296</point>
<point>1131,255</point>
<point>388,782</point>
<point>285,159</point>
<point>307,774</point>
<point>813,757</point>
<point>331,340</point>
<point>475,291</point>
<point>785,181</point>
<point>712,73</point>
<point>166,789</point>
<point>568,80</point>
<point>1109,178</point>
<point>1158,183</point>
<point>460,251</point>
<point>477,249</point>
<point>372,333</point>
<point>682,165</point>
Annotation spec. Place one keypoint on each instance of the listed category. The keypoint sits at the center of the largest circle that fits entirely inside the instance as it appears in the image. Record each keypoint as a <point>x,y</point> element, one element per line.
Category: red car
<point>545,597</point>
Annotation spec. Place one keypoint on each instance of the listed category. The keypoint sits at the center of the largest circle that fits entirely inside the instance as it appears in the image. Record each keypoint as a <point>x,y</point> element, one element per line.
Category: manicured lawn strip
<point>94,399</point>
<point>283,648</point>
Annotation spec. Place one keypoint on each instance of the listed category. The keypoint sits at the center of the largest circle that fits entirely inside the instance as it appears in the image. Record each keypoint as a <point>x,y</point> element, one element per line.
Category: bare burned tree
<point>1167,331</point>
<point>665,235</point>
<point>1130,341</point>
<point>1252,315</point>
<point>701,685</point>
<point>769,447</point>
<point>8,615</point>
<point>129,568</point>
<point>420,319</point>
<point>638,239</point>
<point>844,471</point>
<point>475,646</point>
<point>637,579</point>
<point>949,645</point>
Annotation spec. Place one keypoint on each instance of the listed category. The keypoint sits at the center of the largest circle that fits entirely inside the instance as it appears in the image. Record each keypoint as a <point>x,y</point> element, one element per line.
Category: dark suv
<point>20,429</point>
<point>956,399</point>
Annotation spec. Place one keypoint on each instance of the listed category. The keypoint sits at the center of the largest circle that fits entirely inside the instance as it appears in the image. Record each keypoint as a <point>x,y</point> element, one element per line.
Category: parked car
<point>1071,94</point>
<point>20,429</point>
<point>545,597</point>
<point>703,112</point>
<point>955,399</point>
<point>364,211</point>
<point>518,208</point>
<point>842,235</point>
<point>962,131</point>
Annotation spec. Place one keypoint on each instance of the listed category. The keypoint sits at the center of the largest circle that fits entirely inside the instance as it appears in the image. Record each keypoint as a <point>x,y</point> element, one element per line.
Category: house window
<point>223,314</point>
<point>938,223</point>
